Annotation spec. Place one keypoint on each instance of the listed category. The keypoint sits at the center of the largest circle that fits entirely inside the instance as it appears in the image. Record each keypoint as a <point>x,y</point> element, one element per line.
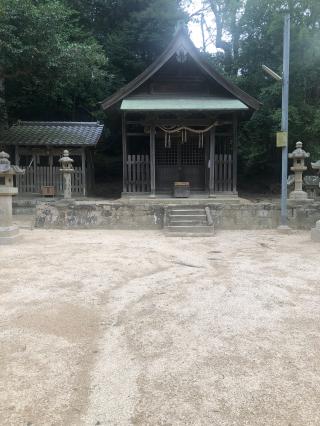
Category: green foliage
<point>251,34</point>
<point>133,32</point>
<point>261,43</point>
<point>60,57</point>
<point>49,64</point>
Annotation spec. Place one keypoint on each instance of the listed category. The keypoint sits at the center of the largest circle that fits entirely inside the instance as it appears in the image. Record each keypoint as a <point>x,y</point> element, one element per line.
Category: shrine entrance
<point>182,157</point>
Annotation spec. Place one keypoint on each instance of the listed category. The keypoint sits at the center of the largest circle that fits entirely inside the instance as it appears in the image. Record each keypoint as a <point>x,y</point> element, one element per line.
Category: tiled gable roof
<point>53,133</point>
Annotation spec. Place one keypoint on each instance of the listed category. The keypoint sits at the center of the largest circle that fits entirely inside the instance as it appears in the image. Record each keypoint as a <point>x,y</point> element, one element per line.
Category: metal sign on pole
<point>282,137</point>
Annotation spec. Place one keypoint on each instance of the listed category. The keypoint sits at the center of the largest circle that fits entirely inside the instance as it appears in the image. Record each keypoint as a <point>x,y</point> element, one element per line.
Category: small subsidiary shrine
<point>180,125</point>
<point>37,147</point>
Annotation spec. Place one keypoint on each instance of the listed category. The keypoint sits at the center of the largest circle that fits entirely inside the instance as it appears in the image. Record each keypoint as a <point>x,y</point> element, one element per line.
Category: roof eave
<point>181,38</point>
<point>146,74</point>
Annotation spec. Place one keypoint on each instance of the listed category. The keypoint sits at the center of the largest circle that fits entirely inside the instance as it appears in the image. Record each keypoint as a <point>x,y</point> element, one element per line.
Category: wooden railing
<point>223,173</point>
<point>138,173</point>
<point>36,177</point>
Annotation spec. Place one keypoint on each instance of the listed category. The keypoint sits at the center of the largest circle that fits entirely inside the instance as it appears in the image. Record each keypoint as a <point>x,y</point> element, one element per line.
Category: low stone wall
<point>264,215</point>
<point>24,206</point>
<point>148,215</point>
<point>82,214</point>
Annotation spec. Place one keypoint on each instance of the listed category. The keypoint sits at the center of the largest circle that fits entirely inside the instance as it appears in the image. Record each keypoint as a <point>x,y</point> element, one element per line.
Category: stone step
<point>188,217</point>
<point>189,222</point>
<point>186,211</point>
<point>199,229</point>
<point>189,234</point>
<point>195,216</point>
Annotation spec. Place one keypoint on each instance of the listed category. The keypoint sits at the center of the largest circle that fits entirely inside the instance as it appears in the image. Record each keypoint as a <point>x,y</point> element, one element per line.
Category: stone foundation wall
<point>79,215</point>
<point>121,215</point>
<point>264,215</point>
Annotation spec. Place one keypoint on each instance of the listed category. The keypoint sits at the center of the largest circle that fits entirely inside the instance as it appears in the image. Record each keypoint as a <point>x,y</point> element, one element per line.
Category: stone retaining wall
<point>70,215</point>
<point>144,215</point>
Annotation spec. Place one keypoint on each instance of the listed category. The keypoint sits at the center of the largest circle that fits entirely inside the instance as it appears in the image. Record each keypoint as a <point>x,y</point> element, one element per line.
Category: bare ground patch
<point>133,328</point>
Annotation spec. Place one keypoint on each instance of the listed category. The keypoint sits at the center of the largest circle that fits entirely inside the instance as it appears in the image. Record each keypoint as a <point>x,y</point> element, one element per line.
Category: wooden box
<point>47,191</point>
<point>181,190</point>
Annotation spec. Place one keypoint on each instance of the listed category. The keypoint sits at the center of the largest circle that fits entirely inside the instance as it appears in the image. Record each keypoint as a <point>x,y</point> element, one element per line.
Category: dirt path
<point>133,328</point>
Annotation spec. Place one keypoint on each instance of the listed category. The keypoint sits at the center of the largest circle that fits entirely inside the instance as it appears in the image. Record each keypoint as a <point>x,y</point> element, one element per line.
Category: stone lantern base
<point>299,196</point>
<point>315,232</point>
<point>9,234</point>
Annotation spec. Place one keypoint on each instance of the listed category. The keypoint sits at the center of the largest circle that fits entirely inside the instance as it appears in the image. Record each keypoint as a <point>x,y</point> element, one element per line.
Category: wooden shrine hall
<point>37,147</point>
<point>180,125</point>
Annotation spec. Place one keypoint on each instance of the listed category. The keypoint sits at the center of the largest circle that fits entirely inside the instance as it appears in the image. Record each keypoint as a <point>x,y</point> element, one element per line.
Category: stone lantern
<point>298,156</point>
<point>315,232</point>
<point>66,169</point>
<point>8,232</point>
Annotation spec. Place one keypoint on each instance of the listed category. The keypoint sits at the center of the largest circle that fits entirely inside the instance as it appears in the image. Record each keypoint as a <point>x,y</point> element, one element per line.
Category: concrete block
<point>315,234</point>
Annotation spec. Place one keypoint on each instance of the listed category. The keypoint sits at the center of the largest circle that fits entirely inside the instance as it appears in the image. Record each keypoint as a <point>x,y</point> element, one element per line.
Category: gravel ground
<point>135,328</point>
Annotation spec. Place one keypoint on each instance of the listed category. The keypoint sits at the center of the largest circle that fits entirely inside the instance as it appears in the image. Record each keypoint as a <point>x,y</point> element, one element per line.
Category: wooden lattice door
<point>180,162</point>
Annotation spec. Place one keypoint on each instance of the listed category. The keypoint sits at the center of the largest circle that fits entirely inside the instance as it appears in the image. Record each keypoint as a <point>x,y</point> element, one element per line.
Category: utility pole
<point>284,121</point>
<point>282,137</point>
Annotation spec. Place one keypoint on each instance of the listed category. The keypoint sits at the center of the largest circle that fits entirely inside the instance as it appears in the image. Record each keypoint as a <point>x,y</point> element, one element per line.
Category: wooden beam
<point>91,163</point>
<point>211,159</point>
<point>83,170</point>
<point>124,153</point>
<point>36,177</point>
<point>153,161</point>
<point>189,122</point>
<point>235,153</point>
<point>17,156</point>
<point>16,162</point>
<point>23,150</point>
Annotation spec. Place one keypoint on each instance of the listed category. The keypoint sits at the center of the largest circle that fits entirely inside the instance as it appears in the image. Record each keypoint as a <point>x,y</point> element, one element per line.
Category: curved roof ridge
<point>180,39</point>
<point>58,123</point>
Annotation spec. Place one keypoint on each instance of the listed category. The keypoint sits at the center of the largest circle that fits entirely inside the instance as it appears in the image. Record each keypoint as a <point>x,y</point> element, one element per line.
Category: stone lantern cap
<point>316,166</point>
<point>5,166</point>
<point>299,153</point>
<point>66,161</point>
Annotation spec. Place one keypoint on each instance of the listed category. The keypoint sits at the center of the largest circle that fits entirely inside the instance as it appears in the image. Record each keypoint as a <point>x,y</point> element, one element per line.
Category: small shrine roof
<point>52,133</point>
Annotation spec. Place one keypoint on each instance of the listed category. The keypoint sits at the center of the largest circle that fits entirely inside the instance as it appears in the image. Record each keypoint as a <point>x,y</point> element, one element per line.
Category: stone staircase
<point>188,221</point>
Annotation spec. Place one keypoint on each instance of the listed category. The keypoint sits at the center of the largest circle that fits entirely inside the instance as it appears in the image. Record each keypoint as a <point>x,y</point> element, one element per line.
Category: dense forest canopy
<point>59,58</point>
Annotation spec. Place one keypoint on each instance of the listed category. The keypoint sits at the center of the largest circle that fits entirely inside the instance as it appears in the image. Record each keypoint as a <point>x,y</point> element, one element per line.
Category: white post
<point>66,169</point>
<point>8,231</point>
<point>67,184</point>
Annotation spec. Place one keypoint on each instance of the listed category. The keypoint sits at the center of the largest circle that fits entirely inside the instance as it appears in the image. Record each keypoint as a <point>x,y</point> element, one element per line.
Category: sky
<point>194,28</point>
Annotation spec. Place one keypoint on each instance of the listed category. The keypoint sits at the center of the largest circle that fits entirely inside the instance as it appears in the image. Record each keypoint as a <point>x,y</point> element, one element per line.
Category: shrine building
<point>180,125</point>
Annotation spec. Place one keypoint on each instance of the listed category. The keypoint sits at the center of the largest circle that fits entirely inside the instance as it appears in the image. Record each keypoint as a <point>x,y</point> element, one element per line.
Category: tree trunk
<point>3,108</point>
<point>230,48</point>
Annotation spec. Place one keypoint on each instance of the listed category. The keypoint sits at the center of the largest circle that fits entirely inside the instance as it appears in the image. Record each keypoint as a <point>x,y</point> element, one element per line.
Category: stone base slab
<point>315,234</point>
<point>9,235</point>
<point>298,196</point>
<point>283,229</point>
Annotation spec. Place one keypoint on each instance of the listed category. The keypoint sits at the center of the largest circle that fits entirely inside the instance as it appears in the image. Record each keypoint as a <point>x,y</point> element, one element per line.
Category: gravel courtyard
<point>135,328</point>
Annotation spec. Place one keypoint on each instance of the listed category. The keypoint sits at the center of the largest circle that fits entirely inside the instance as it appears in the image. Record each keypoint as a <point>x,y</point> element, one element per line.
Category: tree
<point>133,33</point>
<point>261,42</point>
<point>48,64</point>
<point>226,34</point>
<point>248,34</point>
